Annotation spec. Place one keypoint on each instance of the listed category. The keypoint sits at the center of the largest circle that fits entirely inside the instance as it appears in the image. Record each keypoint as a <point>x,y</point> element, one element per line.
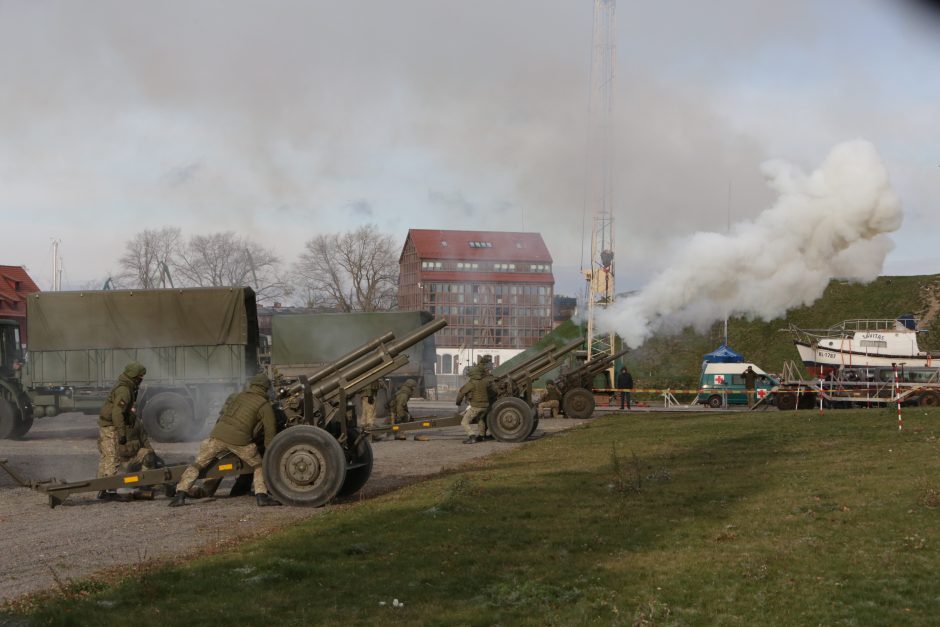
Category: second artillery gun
<point>512,416</point>
<point>576,385</point>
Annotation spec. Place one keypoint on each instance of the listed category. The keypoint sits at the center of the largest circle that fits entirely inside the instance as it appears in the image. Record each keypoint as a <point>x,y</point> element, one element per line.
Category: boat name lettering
<point>827,354</point>
<point>873,336</point>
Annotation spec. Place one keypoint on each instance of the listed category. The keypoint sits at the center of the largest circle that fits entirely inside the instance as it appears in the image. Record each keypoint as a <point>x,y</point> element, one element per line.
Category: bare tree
<point>353,271</point>
<point>148,257</point>
<point>224,259</point>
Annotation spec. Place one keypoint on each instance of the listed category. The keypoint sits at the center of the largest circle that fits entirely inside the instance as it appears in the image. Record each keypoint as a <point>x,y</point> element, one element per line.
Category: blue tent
<point>723,355</point>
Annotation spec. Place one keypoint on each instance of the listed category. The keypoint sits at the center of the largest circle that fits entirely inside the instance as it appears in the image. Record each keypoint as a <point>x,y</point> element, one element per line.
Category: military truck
<point>306,343</point>
<point>198,345</point>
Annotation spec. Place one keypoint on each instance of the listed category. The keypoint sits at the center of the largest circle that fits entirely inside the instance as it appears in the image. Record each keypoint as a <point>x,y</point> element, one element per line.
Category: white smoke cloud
<point>829,223</point>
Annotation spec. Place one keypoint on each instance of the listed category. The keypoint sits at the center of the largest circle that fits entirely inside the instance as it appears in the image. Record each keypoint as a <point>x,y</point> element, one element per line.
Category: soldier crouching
<point>234,433</point>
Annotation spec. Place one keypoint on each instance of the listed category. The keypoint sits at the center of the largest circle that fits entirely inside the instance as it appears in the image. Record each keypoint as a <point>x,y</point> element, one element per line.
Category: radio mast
<point>600,274</point>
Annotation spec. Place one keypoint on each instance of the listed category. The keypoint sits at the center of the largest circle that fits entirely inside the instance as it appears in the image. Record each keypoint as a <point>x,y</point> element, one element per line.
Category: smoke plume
<point>826,224</point>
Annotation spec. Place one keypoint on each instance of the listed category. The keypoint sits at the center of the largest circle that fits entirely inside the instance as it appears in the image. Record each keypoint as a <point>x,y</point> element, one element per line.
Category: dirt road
<point>43,548</point>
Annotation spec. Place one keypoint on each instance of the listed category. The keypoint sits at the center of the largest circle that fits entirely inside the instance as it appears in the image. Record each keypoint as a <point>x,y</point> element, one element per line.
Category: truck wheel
<point>8,419</point>
<point>714,401</point>
<point>929,399</point>
<point>786,402</point>
<point>535,425</point>
<point>168,417</point>
<point>358,467</point>
<point>510,419</point>
<point>578,403</point>
<point>304,465</point>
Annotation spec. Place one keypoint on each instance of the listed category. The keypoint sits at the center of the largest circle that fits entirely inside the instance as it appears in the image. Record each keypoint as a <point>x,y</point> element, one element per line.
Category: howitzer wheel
<point>359,466</point>
<point>578,403</point>
<point>304,465</point>
<point>929,399</point>
<point>510,419</point>
<point>786,402</point>
<point>535,425</point>
<point>23,425</point>
<point>8,419</point>
<point>168,417</point>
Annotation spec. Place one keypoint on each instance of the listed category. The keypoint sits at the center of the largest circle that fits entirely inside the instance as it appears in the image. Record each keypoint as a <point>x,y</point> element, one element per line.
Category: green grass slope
<point>784,518</point>
<point>675,361</point>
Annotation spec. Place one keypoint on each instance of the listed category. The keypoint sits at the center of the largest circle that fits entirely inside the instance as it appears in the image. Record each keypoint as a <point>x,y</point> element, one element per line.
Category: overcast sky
<point>284,120</point>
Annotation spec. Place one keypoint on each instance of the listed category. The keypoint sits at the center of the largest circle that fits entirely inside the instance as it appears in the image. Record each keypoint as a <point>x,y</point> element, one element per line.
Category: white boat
<point>855,343</point>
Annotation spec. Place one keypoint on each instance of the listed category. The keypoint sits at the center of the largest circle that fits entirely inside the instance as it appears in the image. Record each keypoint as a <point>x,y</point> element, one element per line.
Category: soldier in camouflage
<point>368,400</point>
<point>234,432</point>
<point>119,431</point>
<point>400,405</point>
<point>478,390</point>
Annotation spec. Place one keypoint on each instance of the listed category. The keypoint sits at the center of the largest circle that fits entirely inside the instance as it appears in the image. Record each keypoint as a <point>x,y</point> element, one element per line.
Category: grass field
<point>789,518</point>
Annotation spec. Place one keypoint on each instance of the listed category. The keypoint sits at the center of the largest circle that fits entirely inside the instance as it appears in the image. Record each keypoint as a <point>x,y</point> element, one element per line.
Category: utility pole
<point>56,266</point>
<point>600,273</point>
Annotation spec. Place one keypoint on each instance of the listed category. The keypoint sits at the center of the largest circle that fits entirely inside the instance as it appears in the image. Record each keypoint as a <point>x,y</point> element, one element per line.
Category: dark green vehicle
<point>198,346</point>
<point>16,411</point>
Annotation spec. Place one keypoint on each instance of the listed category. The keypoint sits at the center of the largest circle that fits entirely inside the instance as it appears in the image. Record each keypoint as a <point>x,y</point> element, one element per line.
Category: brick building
<point>494,289</point>
<point>15,285</point>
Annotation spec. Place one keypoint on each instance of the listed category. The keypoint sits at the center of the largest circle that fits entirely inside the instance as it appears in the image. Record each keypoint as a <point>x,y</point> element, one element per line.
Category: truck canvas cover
<point>116,319</point>
<point>318,339</point>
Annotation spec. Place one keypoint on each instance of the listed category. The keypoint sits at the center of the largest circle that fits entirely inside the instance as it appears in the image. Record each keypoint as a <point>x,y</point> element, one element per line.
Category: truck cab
<point>10,354</point>
<point>723,384</point>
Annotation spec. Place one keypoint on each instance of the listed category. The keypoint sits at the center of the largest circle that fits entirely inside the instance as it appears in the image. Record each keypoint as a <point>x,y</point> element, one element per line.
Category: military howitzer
<point>576,385</point>
<point>513,413</point>
<point>318,453</point>
<point>321,452</point>
<point>511,416</point>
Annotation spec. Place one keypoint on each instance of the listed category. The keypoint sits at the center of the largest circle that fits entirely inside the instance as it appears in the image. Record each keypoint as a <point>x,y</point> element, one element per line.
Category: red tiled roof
<point>502,245</point>
<point>9,277</point>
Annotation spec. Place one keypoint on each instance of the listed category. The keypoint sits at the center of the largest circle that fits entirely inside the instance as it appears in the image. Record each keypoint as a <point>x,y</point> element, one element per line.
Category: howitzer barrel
<point>544,361</point>
<point>596,365</point>
<point>368,362</point>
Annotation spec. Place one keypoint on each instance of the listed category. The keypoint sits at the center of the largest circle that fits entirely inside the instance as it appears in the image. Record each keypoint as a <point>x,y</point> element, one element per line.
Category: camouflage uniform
<point>478,390</point>
<point>400,405</point>
<point>551,400</point>
<point>234,432</point>
<point>117,422</point>
<point>368,398</point>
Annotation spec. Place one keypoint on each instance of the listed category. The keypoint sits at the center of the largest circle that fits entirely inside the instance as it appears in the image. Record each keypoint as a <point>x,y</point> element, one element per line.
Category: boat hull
<point>821,361</point>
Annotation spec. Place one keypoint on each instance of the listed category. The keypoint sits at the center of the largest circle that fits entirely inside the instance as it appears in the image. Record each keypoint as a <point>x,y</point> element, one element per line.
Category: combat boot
<point>400,436</point>
<point>106,495</point>
<point>178,499</point>
<point>471,439</point>
<point>264,500</point>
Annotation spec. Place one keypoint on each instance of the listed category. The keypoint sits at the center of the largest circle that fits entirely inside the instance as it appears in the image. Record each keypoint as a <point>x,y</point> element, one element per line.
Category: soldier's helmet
<point>134,370</point>
<point>411,383</point>
<point>260,381</point>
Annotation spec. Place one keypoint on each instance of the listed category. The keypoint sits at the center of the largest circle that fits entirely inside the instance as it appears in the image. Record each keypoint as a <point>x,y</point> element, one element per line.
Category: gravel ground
<point>43,548</point>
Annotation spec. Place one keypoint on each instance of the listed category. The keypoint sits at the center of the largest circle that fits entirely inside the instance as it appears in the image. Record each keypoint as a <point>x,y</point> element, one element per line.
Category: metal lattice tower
<point>600,274</point>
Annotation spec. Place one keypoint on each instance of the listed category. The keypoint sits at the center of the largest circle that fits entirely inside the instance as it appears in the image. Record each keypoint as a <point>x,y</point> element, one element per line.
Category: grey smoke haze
<point>276,119</point>
<point>826,224</point>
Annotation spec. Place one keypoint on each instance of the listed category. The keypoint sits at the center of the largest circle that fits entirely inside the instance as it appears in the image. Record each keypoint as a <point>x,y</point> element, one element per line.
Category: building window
<point>481,244</point>
<point>504,267</point>
<point>431,265</point>
<point>467,265</point>
<point>447,365</point>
